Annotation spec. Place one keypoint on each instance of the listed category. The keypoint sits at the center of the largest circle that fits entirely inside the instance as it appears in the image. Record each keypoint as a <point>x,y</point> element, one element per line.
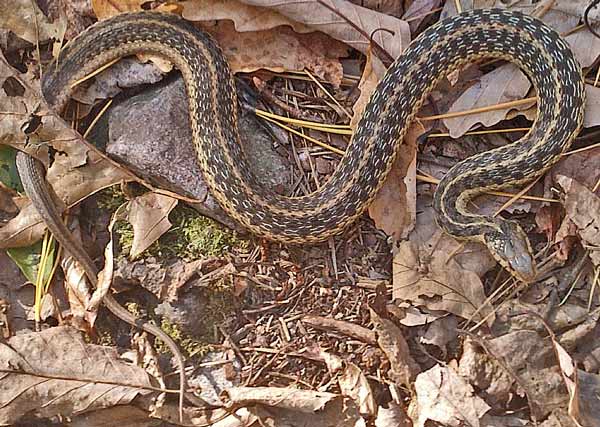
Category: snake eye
<point>510,246</point>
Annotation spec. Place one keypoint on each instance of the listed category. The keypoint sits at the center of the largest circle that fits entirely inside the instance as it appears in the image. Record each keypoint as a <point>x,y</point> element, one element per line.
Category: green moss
<point>219,304</point>
<point>192,236</point>
<point>111,198</point>
<point>187,344</point>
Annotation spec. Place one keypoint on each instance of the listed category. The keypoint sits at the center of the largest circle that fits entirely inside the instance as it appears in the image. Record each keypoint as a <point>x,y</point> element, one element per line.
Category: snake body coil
<point>441,49</point>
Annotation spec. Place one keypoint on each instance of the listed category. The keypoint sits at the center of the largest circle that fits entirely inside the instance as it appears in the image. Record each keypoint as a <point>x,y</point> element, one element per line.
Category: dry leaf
<point>254,37</point>
<point>55,372</point>
<point>524,357</point>
<point>592,106</point>
<point>394,208</point>
<point>107,8</point>
<point>286,398</point>
<point>121,415</point>
<point>325,16</point>
<point>342,327</point>
<point>504,84</point>
<point>583,209</point>
<point>403,368</point>
<point>445,397</point>
<point>280,50</point>
<point>392,415</point>
<point>149,216</point>
<point>568,369</point>
<point>353,383</point>
<point>584,167</point>
<point>435,270</point>
<point>26,20</point>
<point>79,169</point>
<point>418,11</point>
<point>244,16</point>
<point>589,397</point>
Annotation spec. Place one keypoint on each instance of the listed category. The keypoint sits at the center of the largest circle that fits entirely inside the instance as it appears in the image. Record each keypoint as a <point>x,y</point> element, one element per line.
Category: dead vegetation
<point>391,324</point>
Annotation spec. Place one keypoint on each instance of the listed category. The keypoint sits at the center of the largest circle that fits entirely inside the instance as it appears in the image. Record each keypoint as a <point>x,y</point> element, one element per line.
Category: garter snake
<point>439,50</point>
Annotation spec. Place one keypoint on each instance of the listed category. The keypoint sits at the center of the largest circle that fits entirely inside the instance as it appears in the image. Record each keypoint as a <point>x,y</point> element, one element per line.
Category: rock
<point>150,134</point>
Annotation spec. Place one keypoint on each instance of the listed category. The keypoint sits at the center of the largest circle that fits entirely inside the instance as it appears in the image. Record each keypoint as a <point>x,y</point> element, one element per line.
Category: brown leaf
<point>107,8</point>
<point>149,216</point>
<point>245,17</point>
<point>254,37</point>
<point>504,84</point>
<point>583,209</point>
<point>121,415</point>
<point>393,415</point>
<point>584,167</point>
<point>315,14</point>
<point>592,106</point>
<point>353,383</point>
<point>394,208</point>
<point>279,50</point>
<point>343,327</point>
<point>435,270</point>
<point>79,169</point>
<point>55,372</point>
<point>418,11</point>
<point>445,397</point>
<point>26,20</point>
<point>286,398</point>
<point>403,367</point>
<point>371,74</point>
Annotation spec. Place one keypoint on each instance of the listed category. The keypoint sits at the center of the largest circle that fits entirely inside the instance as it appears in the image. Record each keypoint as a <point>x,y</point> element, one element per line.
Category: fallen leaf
<point>254,37</point>
<point>280,50</point>
<point>583,167</point>
<point>503,421</point>
<point>568,369</point>
<point>149,216</point>
<point>26,20</point>
<point>444,396</point>
<point>434,270</point>
<point>418,11</point>
<point>342,327</point>
<point>583,209</point>
<point>392,415</point>
<point>390,339</point>
<point>504,84</point>
<point>394,208</point>
<point>524,358</point>
<point>245,17</point>
<point>79,168</point>
<point>332,16</point>
<point>592,106</point>
<point>286,398</point>
<point>589,397</point>
<point>353,383</point>
<point>441,332</point>
<point>121,415</point>
<point>107,8</point>
<point>56,373</point>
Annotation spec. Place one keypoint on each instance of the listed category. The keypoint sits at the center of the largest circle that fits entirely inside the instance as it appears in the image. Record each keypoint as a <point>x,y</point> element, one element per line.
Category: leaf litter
<point>456,344</point>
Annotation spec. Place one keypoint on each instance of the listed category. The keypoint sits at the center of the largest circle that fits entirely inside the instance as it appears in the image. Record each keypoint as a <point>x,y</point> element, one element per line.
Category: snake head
<point>510,246</point>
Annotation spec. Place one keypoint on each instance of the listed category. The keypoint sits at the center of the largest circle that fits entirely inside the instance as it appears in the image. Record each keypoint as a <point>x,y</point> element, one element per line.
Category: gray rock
<point>150,134</point>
